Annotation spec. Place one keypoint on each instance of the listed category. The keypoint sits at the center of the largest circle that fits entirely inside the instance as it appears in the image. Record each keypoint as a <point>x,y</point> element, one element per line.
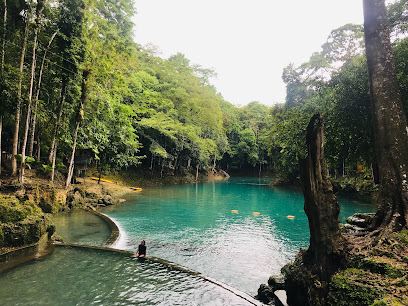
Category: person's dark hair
<point>143,242</point>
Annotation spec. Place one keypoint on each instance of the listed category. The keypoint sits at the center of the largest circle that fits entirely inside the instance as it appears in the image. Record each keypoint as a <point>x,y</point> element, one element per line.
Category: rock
<point>24,232</point>
<point>368,217</point>
<point>51,230</point>
<point>265,294</point>
<point>356,221</point>
<point>276,282</point>
<point>354,229</point>
<point>91,195</point>
<point>78,200</point>
<point>361,220</point>
<point>45,206</point>
<point>108,200</point>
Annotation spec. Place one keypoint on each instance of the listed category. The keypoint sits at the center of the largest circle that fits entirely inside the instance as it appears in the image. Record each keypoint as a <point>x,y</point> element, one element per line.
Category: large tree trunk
<point>389,122</point>
<point>326,252</point>
<point>3,48</point>
<point>1,131</point>
<point>84,93</point>
<point>18,104</point>
<point>40,8</point>
<point>321,206</point>
<point>37,96</point>
<point>3,53</point>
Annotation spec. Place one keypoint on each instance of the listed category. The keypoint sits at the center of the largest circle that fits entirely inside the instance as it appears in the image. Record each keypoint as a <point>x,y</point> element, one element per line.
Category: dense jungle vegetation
<point>72,77</point>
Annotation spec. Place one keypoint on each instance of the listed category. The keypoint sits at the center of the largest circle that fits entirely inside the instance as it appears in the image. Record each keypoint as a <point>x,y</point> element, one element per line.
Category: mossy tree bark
<point>321,206</point>
<point>308,278</point>
<point>389,122</point>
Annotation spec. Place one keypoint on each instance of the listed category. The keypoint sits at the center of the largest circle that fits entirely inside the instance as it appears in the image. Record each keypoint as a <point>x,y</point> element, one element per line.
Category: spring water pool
<point>211,227</point>
<point>81,227</point>
<point>208,227</point>
<point>72,276</point>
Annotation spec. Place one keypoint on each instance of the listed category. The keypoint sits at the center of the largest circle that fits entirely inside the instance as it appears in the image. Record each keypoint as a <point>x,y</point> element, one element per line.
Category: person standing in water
<point>141,251</point>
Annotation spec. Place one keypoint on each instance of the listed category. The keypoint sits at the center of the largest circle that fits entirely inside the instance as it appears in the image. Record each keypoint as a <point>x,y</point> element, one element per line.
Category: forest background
<point>73,78</point>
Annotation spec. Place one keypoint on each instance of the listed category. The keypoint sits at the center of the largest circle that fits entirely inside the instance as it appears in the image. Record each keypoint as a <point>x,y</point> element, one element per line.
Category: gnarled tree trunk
<point>308,277</point>
<point>389,122</point>
<point>321,206</point>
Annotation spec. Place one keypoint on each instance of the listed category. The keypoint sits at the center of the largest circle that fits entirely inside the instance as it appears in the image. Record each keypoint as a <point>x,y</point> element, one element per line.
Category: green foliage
<point>343,291</point>
<point>378,265</point>
<point>47,168</point>
<point>384,268</point>
<point>379,303</point>
<point>403,236</point>
<point>142,110</point>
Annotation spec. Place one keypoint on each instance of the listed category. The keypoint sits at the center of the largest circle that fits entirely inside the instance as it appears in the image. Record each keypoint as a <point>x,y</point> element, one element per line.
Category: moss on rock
<point>345,289</point>
<point>372,279</point>
<point>21,222</point>
<point>13,210</point>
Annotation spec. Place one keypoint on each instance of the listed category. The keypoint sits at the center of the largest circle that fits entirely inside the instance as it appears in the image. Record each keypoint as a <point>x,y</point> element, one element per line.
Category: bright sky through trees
<point>247,42</point>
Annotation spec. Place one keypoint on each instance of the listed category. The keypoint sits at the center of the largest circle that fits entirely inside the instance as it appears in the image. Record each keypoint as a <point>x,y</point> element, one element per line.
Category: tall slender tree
<point>19,96</point>
<point>1,131</point>
<point>389,122</point>
<point>39,11</point>
<point>37,96</point>
<point>3,53</point>
<point>3,47</point>
<point>78,119</point>
<point>53,149</point>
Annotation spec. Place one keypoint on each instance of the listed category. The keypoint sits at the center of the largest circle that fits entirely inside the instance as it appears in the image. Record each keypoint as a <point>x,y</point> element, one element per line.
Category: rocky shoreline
<point>376,274</point>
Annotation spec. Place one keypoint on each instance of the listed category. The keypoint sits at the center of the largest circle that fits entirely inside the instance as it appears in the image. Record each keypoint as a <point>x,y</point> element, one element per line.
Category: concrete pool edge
<point>26,253</point>
<point>172,265</point>
<point>115,232</point>
<point>44,246</point>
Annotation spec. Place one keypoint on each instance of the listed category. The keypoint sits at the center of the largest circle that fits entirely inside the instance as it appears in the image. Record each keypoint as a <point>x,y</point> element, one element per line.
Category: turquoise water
<point>94,277</point>
<point>81,227</point>
<point>192,225</point>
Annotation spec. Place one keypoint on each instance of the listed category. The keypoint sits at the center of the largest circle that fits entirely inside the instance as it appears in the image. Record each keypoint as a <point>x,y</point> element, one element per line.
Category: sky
<point>247,42</point>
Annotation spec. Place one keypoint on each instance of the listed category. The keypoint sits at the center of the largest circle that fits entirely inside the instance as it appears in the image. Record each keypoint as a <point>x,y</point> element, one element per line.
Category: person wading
<point>141,251</point>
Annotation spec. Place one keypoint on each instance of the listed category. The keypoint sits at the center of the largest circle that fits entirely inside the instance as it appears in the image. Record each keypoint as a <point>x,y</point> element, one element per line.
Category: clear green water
<point>193,225</point>
<point>94,277</point>
<point>81,227</point>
